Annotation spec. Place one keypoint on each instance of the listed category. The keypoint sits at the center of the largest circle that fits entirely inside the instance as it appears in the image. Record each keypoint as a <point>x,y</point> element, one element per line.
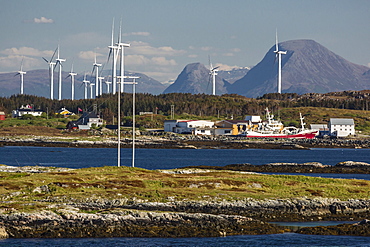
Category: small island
<point>49,202</point>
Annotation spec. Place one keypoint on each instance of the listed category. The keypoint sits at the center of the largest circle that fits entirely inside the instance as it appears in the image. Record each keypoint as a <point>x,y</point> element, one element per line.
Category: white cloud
<point>368,65</point>
<point>27,51</point>
<point>163,61</point>
<point>43,20</point>
<point>137,34</point>
<point>138,47</point>
<point>193,56</point>
<point>136,60</point>
<point>14,61</point>
<point>89,55</point>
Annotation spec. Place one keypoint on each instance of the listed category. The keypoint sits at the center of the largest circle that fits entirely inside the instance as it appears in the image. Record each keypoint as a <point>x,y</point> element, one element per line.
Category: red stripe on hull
<point>300,136</point>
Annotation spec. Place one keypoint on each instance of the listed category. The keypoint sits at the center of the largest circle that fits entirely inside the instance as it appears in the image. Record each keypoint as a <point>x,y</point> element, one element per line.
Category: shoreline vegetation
<point>49,202</point>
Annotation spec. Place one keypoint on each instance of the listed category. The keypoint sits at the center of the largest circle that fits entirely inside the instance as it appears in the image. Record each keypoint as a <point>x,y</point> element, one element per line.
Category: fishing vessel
<point>272,128</point>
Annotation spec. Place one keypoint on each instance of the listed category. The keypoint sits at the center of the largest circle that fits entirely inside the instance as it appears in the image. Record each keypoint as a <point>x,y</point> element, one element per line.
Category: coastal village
<point>336,127</point>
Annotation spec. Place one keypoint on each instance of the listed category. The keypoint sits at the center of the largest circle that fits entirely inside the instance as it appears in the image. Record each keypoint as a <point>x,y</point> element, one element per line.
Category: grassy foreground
<point>18,191</point>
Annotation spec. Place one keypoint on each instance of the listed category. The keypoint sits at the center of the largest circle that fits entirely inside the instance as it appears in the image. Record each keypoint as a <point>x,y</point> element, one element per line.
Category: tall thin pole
<point>119,126</point>
<point>133,114</point>
<point>133,123</point>
<point>279,73</point>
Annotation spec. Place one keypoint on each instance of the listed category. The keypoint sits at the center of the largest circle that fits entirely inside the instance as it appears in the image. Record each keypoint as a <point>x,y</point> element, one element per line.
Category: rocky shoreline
<point>187,142</point>
<point>345,167</point>
<point>122,218</point>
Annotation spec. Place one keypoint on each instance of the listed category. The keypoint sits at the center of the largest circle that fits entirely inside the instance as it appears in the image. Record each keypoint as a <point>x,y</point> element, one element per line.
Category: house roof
<point>341,121</point>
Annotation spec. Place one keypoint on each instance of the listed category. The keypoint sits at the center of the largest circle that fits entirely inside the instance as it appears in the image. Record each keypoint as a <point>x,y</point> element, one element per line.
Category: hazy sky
<point>166,35</point>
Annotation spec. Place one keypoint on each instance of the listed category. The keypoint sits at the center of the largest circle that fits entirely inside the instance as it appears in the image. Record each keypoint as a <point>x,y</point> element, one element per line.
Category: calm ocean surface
<point>288,239</point>
<point>177,158</point>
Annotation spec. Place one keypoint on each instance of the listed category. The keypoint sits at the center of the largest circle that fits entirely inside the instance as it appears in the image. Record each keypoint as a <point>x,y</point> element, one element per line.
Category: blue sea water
<point>171,158</point>
<point>287,239</point>
<point>177,158</point>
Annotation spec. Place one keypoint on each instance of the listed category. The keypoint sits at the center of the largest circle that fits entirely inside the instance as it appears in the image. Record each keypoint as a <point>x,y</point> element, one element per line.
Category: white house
<point>196,127</point>
<point>27,109</point>
<point>341,127</point>
<point>322,129</point>
<point>86,121</point>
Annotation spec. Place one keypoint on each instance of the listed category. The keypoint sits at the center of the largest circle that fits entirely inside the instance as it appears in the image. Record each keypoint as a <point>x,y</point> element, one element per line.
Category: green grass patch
<point>125,182</point>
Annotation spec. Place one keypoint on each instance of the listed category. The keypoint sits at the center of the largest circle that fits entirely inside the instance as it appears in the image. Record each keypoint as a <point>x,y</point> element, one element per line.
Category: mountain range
<point>307,67</point>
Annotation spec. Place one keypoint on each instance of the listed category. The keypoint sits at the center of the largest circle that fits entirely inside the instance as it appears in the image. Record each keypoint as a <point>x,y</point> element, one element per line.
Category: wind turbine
<point>60,61</point>
<point>21,73</point>
<point>51,73</point>
<point>91,89</point>
<point>96,68</point>
<point>278,55</point>
<point>72,75</point>
<point>121,47</point>
<point>213,72</point>
<point>113,49</point>
<point>107,83</point>
<point>101,78</point>
<point>85,83</point>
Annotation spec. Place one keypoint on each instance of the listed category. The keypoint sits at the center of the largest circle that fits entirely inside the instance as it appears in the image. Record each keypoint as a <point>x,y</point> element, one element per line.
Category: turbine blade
<point>54,54</point>
<point>22,63</point>
<point>45,60</point>
<point>209,81</point>
<point>112,32</point>
<point>276,41</point>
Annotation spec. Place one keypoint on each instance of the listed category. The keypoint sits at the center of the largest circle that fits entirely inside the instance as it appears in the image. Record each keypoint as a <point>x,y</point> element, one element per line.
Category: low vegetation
<point>27,191</point>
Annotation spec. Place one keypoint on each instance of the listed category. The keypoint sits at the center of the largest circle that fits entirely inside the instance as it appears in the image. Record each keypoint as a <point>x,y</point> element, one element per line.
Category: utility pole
<point>172,111</point>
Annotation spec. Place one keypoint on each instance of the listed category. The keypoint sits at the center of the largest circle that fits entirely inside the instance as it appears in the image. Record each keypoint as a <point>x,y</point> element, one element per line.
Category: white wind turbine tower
<point>113,49</point>
<point>21,74</point>
<point>91,89</point>
<point>101,78</point>
<point>60,61</point>
<point>85,83</point>
<point>72,75</point>
<point>107,82</point>
<point>278,54</point>
<point>121,47</point>
<point>213,72</point>
<point>51,74</point>
<point>96,68</point>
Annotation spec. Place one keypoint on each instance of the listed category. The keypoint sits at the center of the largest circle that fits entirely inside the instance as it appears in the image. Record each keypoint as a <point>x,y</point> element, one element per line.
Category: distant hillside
<point>195,79</point>
<point>37,82</point>
<point>145,84</point>
<point>308,67</point>
<point>233,75</point>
